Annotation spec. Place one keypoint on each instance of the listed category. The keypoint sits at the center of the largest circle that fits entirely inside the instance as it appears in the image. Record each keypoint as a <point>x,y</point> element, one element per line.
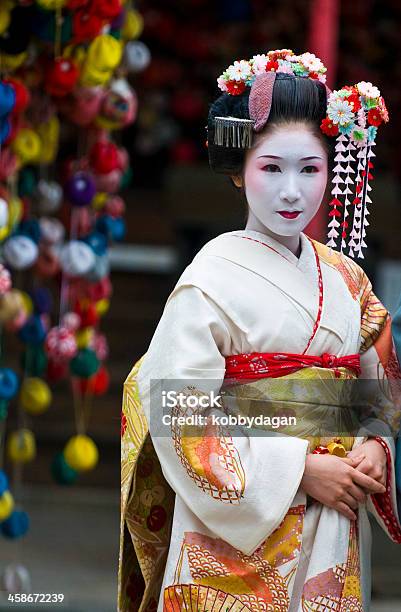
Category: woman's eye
<point>272,168</point>
<point>310,169</point>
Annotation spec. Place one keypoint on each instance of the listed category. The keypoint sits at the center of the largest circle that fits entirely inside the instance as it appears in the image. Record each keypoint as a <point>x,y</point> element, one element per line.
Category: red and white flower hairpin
<point>353,116</point>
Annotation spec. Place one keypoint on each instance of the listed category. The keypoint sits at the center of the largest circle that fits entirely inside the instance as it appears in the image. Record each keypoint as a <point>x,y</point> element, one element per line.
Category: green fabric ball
<point>27,182</point>
<point>62,473</point>
<point>115,34</point>
<point>34,360</point>
<point>85,364</point>
<point>3,409</point>
<point>126,179</point>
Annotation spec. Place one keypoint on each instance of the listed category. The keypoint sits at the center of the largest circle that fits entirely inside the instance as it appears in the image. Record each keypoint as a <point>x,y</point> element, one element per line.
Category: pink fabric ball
<point>60,343</point>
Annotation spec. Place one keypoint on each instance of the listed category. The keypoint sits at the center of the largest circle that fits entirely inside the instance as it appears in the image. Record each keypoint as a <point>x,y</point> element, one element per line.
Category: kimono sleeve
<point>379,361</point>
<point>239,487</point>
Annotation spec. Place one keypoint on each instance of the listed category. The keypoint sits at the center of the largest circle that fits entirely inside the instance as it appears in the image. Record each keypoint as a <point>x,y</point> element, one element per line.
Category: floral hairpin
<point>353,116</point>
<point>242,73</point>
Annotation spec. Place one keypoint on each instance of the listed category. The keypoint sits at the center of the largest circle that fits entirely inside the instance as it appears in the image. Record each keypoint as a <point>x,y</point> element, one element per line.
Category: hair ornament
<point>353,116</point>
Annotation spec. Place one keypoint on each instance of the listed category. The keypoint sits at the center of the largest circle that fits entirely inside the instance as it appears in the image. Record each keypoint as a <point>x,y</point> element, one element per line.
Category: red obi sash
<point>273,365</point>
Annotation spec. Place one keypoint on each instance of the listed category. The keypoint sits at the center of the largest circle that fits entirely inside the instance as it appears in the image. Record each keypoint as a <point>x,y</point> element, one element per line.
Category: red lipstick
<point>289,215</point>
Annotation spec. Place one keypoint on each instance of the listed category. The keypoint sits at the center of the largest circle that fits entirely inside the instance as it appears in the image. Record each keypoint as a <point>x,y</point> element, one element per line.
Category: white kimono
<point>260,545</point>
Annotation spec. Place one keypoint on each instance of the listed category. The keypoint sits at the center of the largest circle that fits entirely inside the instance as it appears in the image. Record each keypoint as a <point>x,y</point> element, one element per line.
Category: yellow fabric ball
<point>104,53</point>
<point>99,200</point>
<point>35,396</point>
<point>84,337</point>
<point>21,446</point>
<point>27,302</point>
<point>6,505</point>
<point>92,78</point>
<point>15,209</point>
<point>81,453</point>
<point>51,5</point>
<point>11,305</point>
<point>102,306</point>
<point>4,231</point>
<point>133,25</point>
<point>27,145</point>
<point>4,18</point>
<point>12,62</point>
<point>49,133</point>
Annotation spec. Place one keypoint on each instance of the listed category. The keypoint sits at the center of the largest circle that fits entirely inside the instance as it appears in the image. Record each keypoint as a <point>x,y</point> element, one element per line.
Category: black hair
<point>295,99</point>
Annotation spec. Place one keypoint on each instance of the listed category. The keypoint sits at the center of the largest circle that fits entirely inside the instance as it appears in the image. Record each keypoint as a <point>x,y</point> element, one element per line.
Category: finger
<point>367,482</point>
<point>353,461</point>
<point>345,510</point>
<point>357,493</point>
<point>350,501</point>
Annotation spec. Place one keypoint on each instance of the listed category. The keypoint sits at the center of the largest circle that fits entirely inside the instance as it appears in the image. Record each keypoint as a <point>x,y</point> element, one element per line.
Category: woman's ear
<point>237,180</point>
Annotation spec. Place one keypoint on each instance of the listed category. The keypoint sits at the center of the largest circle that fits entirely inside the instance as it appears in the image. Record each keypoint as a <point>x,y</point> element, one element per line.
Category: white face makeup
<point>285,178</point>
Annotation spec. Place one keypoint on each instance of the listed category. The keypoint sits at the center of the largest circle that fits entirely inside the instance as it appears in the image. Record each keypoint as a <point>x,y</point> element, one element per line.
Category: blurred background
<point>174,204</point>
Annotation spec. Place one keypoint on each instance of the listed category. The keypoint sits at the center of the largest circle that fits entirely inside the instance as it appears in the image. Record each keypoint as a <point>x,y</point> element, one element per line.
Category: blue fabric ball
<point>5,129</point>
<point>7,99</point>
<point>3,482</point>
<point>30,228</point>
<point>104,225</point>
<point>16,525</point>
<point>98,242</point>
<point>118,229</point>
<point>8,383</point>
<point>33,332</point>
<point>42,299</point>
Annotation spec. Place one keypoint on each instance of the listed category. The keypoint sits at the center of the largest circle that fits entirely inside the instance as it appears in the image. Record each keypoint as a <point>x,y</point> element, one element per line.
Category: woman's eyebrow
<point>302,158</point>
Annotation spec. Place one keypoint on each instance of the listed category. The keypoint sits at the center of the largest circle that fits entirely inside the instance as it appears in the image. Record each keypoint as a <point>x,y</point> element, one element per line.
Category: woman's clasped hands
<point>343,483</point>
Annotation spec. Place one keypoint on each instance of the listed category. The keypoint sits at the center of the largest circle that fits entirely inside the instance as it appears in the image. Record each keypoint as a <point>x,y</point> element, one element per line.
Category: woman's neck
<point>292,243</point>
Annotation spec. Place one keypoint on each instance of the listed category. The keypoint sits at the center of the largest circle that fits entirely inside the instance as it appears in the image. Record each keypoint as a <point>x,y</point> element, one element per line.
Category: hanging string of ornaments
<point>64,65</point>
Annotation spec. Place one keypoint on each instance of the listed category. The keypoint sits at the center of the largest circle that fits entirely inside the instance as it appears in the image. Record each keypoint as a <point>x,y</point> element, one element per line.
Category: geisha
<point>214,519</point>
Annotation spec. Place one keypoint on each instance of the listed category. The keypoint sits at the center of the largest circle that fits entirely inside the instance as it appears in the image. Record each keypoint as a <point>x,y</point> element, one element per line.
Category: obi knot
<point>329,361</point>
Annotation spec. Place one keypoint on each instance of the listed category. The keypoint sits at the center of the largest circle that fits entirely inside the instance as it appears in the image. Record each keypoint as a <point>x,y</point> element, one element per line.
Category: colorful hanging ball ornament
<point>84,337</point>
<point>86,25</point>
<point>84,364</point>
<point>21,446</point>
<point>133,25</point>
<point>100,382</point>
<point>80,189</point>
<point>27,145</point>
<point>6,505</point>
<point>100,269</point>
<point>48,263</point>
<point>3,410</point>
<point>3,213</point>
<point>7,99</point>
<point>49,196</point>
<point>81,453</point>
<point>110,182</point>
<point>119,106</point>
<point>87,314</point>
<point>97,242</point>
<point>5,280</point>
<point>52,230</point>
<point>8,383</point>
<point>60,343</point>
<point>137,56</point>
<point>115,206</point>
<point>35,396</point>
<point>103,157</point>
<point>33,331</point>
<point>62,473</point>
<point>20,252</point>
<point>3,482</point>
<point>71,321</point>
<point>56,370</point>
<point>34,361</point>
<point>41,300</point>
<point>29,228</point>
<point>76,258</point>
<point>22,95</point>
<point>61,77</point>
<point>16,579</point>
<point>16,525</point>
<point>100,345</point>
<point>11,304</point>
<point>106,9</point>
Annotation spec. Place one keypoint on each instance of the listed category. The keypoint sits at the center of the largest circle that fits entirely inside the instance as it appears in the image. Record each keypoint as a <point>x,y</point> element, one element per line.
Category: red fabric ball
<point>76,4</point>
<point>97,384</point>
<point>104,157</point>
<point>88,314</point>
<point>106,9</point>
<point>61,77</point>
<point>56,370</point>
<point>22,95</point>
<point>86,25</point>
